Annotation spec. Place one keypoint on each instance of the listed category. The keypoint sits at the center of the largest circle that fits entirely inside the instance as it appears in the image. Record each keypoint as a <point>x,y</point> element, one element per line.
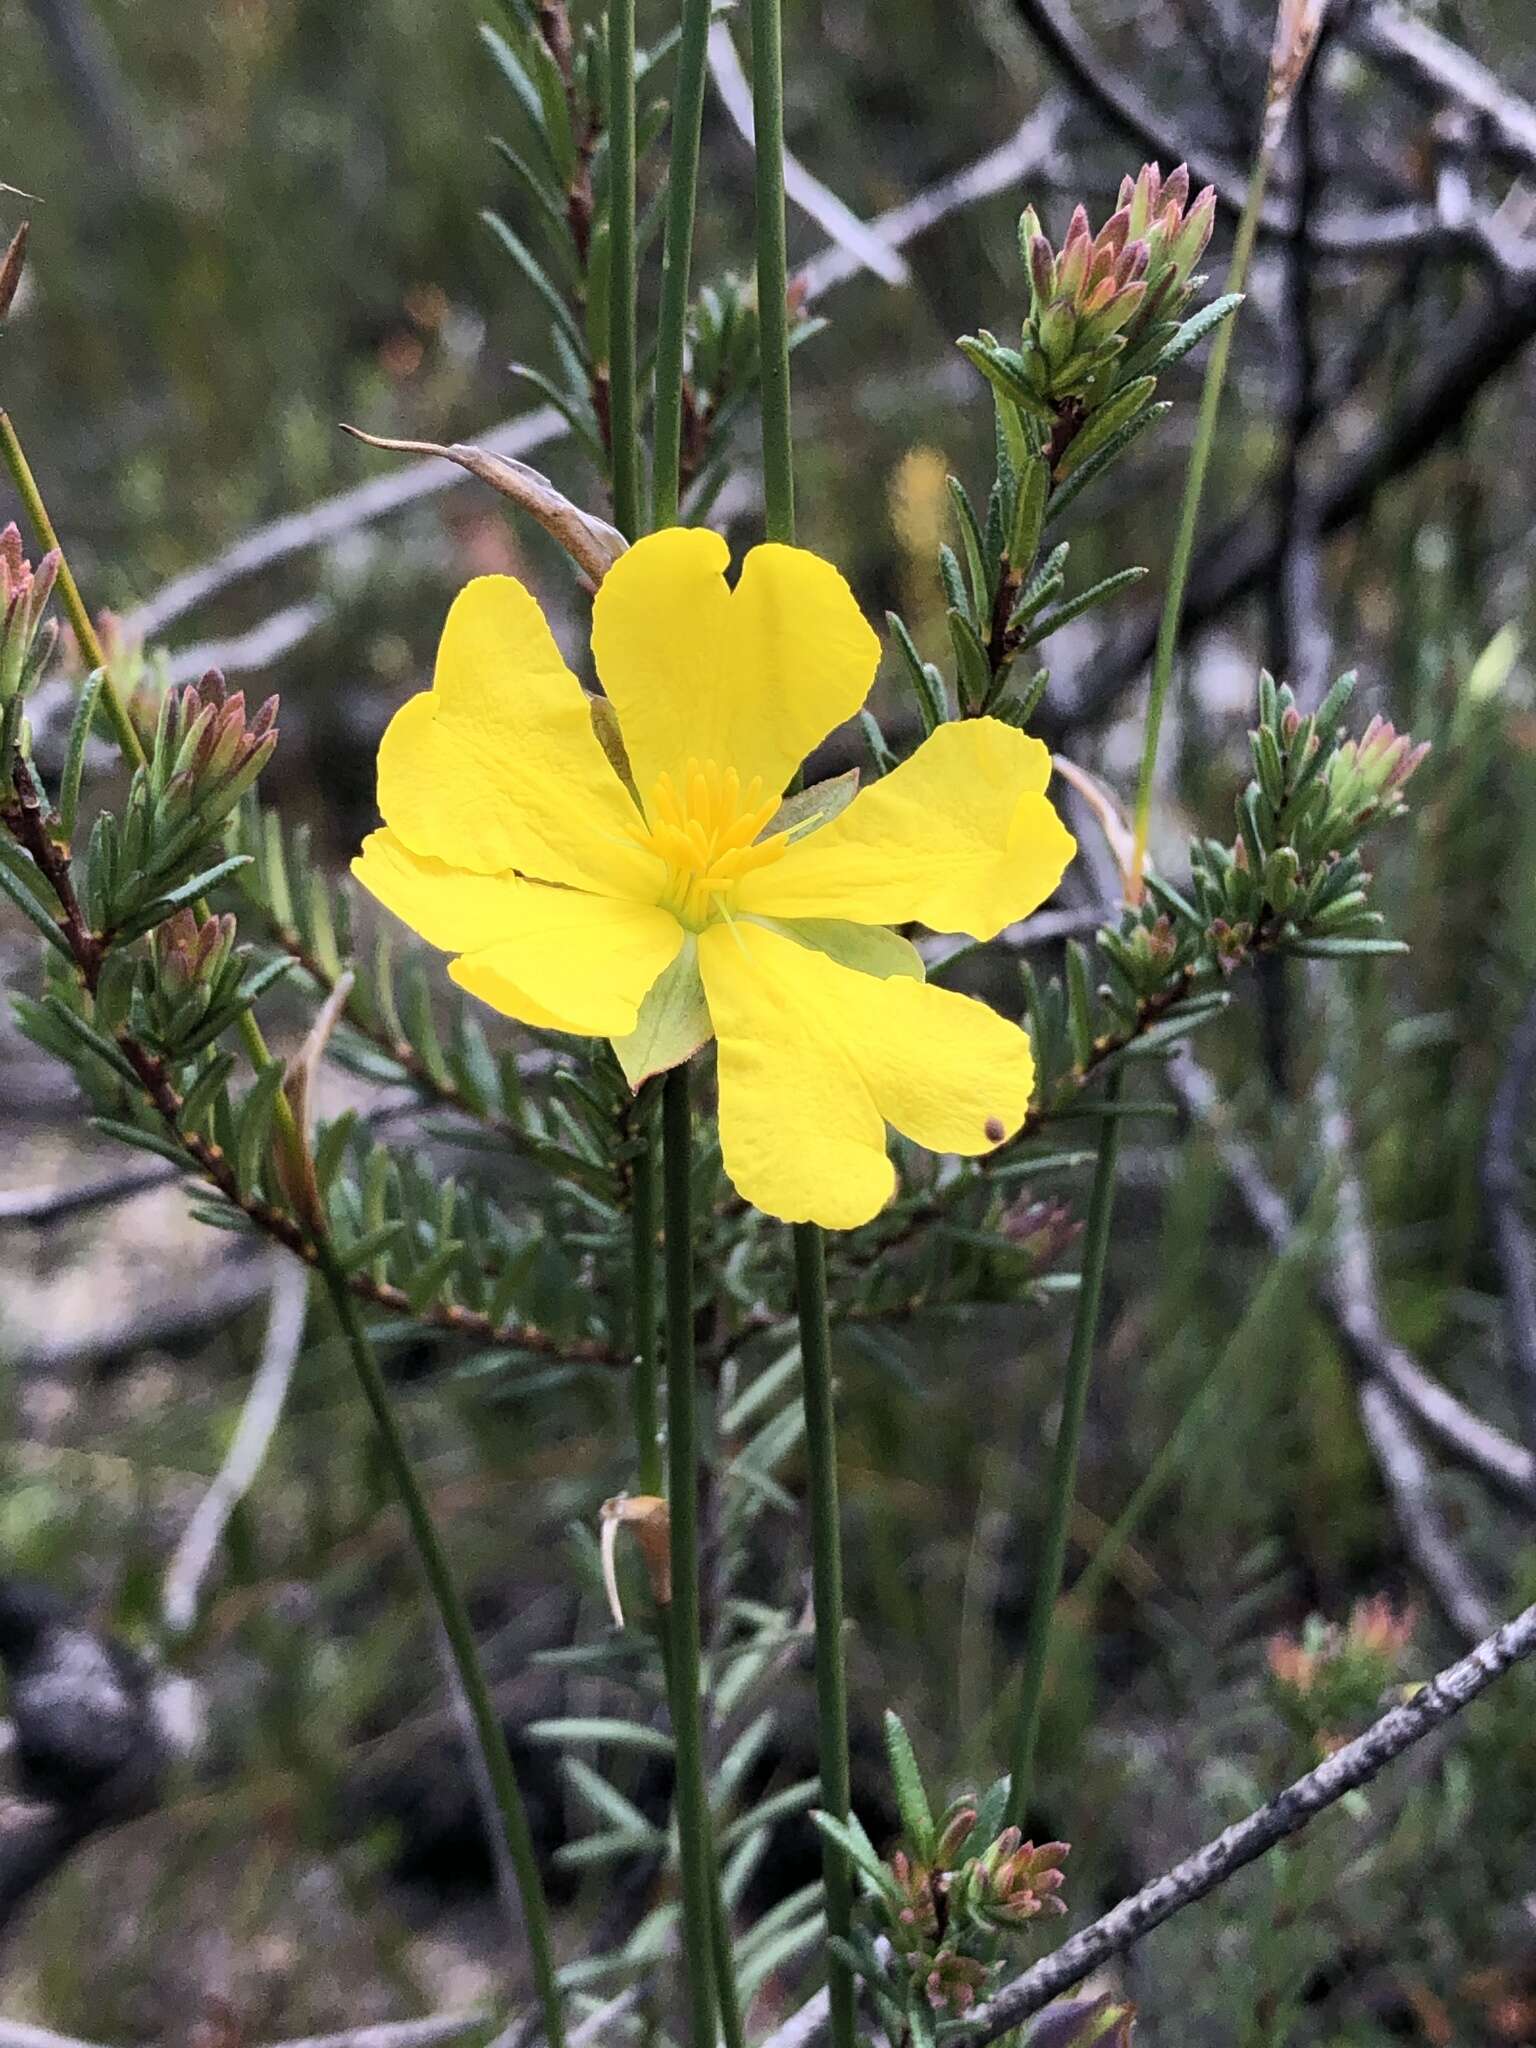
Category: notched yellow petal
<point>752,678</point>
<point>585,961</point>
<point>446,906</point>
<point>960,838</point>
<point>498,765</point>
<point>816,1058</point>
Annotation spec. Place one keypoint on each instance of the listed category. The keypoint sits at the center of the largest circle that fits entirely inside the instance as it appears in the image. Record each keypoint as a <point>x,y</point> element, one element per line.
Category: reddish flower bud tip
<point>1114,231</point>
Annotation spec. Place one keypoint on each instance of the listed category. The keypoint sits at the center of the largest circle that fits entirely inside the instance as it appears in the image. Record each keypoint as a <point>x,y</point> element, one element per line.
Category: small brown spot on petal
<point>995,1129</point>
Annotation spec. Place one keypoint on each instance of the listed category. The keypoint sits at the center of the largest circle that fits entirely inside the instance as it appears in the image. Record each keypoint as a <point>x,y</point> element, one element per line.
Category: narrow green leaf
<point>536,275</point>
<point>93,1041</point>
<point>599,1728</point>
<point>33,911</point>
<point>1196,328</point>
<point>253,1123</point>
<point>1095,465</point>
<point>907,1783</point>
<point>1105,423</point>
<point>1029,514</point>
<point>186,892</point>
<point>1344,948</point>
<point>74,757</point>
<point>974,671</point>
<point>544,193</point>
<point>1079,1002</point>
<point>975,547</point>
<point>142,1140</point>
<point>1088,600</point>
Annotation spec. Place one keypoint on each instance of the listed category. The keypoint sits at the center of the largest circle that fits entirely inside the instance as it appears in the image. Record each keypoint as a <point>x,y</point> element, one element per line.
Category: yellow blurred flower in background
<point>633,871</point>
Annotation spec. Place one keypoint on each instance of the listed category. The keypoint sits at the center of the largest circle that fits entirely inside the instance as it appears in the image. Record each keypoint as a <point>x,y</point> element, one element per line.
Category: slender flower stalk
<point>810,1249</point>
<point>693,1817</point>
<point>622,404</point>
<point>1295,41</point>
<point>644,1390</point>
<point>772,267</point>
<point>672,323</point>
<point>731,2028</point>
<point>827,1597</point>
<point>490,1737</point>
<point>91,649</point>
<point>1053,1549</point>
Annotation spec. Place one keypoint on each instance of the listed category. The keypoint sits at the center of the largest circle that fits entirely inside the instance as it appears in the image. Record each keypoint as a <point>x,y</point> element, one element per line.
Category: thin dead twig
<point>1435,69</point>
<point>1464,1436</point>
<point>870,249</point>
<point>1509,1118</point>
<point>188,1568</point>
<point>1384,232</point>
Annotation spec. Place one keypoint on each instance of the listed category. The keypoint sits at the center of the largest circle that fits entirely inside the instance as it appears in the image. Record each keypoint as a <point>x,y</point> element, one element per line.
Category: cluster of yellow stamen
<point>705,827</point>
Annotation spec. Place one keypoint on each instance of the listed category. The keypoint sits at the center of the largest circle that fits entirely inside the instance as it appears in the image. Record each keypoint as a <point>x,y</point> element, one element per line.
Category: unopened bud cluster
<point>957,1882</point>
<point>26,641</point>
<point>1327,1680</point>
<point>1045,1231</point>
<point>1366,777</point>
<point>194,983</point>
<point>1294,874</point>
<point>207,753</point>
<point>204,755</point>
<point>1104,305</point>
<point>945,1907</point>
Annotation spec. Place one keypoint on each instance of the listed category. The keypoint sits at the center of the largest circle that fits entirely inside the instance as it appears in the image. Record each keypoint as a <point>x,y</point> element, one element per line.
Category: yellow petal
<point>575,963</point>
<point>816,1059</point>
<point>448,907</point>
<point>751,678</point>
<point>497,766</point>
<point>960,838</point>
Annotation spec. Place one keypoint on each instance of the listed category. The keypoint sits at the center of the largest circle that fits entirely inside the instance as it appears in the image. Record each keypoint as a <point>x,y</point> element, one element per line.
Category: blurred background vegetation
<point>261,219</point>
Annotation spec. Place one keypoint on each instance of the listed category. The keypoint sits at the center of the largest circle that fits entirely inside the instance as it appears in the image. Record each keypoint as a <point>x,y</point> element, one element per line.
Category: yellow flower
<point>673,896</point>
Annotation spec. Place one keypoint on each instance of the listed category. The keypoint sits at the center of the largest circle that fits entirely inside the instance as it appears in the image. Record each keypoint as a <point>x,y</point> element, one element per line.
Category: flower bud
<point>207,752</point>
<point>1371,773</point>
<point>189,952</point>
<point>26,644</point>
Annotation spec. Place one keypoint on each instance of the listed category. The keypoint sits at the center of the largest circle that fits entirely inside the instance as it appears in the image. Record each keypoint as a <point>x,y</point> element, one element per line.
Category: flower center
<point>705,827</point>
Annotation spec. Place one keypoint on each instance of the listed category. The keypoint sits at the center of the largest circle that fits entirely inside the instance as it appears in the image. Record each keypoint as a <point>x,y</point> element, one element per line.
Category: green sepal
<point>809,808</point>
<point>866,948</point>
<point>673,1021</point>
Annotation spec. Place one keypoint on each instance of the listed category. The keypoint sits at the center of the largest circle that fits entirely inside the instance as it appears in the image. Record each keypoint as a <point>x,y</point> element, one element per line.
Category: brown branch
<point>284,1228</point>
